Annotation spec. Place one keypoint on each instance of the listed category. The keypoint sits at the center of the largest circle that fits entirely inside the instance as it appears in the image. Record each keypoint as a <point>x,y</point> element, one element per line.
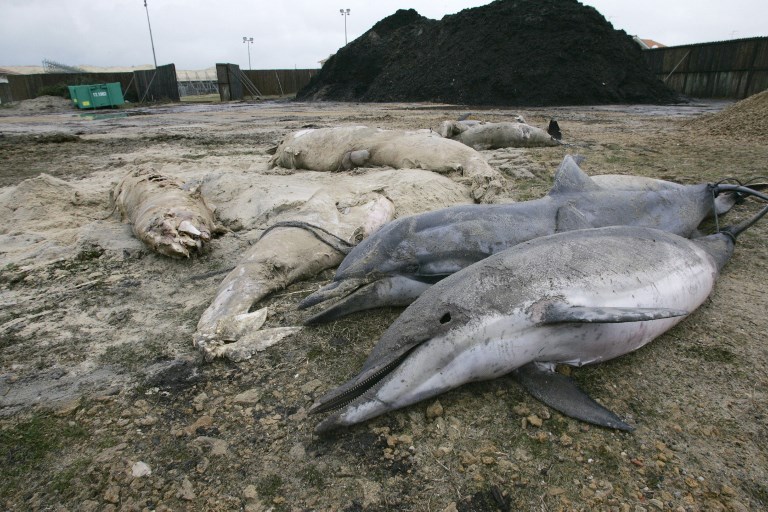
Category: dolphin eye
<point>445,318</point>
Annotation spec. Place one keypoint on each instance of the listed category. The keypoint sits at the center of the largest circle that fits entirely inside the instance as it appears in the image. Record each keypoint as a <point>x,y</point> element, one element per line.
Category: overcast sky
<point>196,34</point>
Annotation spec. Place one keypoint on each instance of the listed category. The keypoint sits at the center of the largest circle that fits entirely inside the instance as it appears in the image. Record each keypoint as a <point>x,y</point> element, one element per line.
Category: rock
<point>140,469</point>
<point>451,507</point>
<point>371,492</point>
<point>435,410</point>
<point>297,452</point>
<point>218,447</point>
<point>251,396</point>
<point>311,386</point>
<point>202,421</point>
<point>67,408</point>
<point>186,492</point>
<point>146,421</point>
<point>534,420</point>
<point>250,492</point>
<point>109,453</point>
<point>656,503</point>
<point>112,494</point>
<point>89,506</point>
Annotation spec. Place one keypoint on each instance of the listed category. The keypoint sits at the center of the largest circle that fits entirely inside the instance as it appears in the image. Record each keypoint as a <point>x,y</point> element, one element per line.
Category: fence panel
<point>726,69</point>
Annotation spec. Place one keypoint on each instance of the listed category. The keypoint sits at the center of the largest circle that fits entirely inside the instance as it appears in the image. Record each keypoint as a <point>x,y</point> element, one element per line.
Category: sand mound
<point>509,52</point>
<point>746,119</point>
<point>41,104</point>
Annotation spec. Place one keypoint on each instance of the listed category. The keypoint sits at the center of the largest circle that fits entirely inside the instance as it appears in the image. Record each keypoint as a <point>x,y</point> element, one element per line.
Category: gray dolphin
<point>576,298</point>
<point>405,257</point>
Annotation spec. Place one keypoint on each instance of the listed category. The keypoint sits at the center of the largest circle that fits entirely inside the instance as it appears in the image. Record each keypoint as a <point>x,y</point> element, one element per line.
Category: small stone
<point>112,494</point>
<point>534,420</point>
<point>250,492</point>
<point>555,491</point>
<point>251,396</point>
<point>218,447</point>
<point>521,410</point>
<point>68,408</point>
<point>140,469</point>
<point>488,461</point>
<point>297,452</point>
<point>727,490</point>
<point>311,386</point>
<point>451,507</point>
<point>202,421</point>
<point>737,506</point>
<point>89,506</point>
<point>186,492</point>
<point>566,440</point>
<point>146,421</point>
<point>469,459</point>
<point>656,503</point>
<point>691,482</point>
<point>405,439</point>
<point>435,410</point>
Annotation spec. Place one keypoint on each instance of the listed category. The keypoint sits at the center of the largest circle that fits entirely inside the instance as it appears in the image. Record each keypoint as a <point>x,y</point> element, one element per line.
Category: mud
<point>98,371</point>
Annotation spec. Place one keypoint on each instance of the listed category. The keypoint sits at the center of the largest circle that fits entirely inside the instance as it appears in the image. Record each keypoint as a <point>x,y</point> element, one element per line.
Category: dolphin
<point>576,298</point>
<point>408,255</point>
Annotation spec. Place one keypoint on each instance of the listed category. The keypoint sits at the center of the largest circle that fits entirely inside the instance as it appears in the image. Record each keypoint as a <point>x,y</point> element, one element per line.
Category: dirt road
<point>105,404</point>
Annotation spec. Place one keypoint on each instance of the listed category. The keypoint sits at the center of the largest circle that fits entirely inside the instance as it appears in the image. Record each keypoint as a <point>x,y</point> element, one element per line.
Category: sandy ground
<point>105,404</point>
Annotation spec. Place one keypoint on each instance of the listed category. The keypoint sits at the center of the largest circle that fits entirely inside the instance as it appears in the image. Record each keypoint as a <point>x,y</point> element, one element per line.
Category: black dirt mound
<point>509,52</point>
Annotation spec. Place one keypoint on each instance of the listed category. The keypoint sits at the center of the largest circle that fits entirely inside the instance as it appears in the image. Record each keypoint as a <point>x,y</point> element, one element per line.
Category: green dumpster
<point>97,96</point>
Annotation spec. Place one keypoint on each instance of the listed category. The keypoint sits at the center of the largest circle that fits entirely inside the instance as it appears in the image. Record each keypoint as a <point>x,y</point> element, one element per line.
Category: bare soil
<point>99,382</point>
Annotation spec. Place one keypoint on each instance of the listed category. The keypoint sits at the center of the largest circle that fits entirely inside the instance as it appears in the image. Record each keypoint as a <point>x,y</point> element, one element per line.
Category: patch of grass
<point>269,486</point>
<point>28,445</point>
<point>312,476</point>
<point>62,481</point>
<point>133,357</point>
<point>710,354</point>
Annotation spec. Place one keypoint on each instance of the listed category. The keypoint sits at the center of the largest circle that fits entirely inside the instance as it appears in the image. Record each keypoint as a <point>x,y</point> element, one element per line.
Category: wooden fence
<point>146,85</point>
<point>280,82</point>
<point>161,84</point>
<point>726,69</point>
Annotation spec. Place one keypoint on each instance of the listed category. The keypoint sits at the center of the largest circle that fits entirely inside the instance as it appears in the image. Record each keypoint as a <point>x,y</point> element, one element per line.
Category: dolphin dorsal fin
<point>559,312</point>
<point>570,178</point>
<point>564,395</point>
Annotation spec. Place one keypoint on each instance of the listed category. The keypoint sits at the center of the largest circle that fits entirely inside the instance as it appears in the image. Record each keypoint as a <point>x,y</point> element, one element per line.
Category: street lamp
<point>345,13</point>
<point>249,42</point>
<point>150,34</point>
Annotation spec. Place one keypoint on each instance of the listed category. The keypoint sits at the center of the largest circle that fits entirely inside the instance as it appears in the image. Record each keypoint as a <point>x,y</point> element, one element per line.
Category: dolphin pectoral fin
<point>560,312</point>
<point>563,394</point>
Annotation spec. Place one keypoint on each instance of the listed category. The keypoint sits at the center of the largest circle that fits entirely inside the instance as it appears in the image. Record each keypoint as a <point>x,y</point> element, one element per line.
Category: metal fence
<point>726,69</point>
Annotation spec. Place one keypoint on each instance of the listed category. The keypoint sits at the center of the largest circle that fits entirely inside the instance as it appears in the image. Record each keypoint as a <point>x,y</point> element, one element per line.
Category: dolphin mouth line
<point>345,398</point>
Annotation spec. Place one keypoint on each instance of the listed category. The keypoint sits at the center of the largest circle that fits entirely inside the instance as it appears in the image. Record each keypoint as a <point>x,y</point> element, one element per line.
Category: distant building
<point>647,44</point>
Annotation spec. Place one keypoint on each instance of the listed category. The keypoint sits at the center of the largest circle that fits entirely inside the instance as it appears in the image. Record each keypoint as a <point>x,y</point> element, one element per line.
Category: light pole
<point>345,13</point>
<point>150,34</point>
<point>249,42</point>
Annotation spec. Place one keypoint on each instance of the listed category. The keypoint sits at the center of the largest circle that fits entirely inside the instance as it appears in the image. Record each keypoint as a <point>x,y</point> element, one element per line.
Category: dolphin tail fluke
<point>563,394</point>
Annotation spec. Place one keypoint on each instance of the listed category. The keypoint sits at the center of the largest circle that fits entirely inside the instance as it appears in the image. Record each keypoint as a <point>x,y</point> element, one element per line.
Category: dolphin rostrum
<point>404,258</point>
<point>577,298</point>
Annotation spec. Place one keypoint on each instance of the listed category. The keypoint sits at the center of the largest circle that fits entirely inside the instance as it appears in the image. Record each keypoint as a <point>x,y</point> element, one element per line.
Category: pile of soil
<point>39,105</point>
<point>509,52</point>
<point>746,119</point>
